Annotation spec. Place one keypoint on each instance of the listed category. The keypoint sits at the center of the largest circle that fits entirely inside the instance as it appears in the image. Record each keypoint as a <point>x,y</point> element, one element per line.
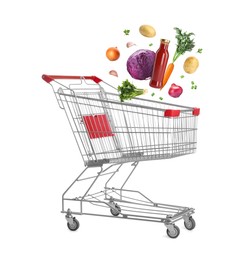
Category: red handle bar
<point>49,78</point>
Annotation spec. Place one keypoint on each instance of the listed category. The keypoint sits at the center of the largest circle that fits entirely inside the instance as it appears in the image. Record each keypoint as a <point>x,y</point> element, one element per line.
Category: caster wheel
<point>74,226</point>
<point>115,212</point>
<point>190,224</point>
<point>173,233</point>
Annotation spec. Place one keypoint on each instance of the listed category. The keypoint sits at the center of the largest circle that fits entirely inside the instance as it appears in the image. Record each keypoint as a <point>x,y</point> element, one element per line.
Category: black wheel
<point>74,226</point>
<point>190,224</point>
<point>116,212</point>
<point>174,233</point>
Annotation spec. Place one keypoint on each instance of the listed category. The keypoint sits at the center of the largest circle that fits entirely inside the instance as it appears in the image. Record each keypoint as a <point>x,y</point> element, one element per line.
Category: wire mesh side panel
<point>110,131</point>
<point>147,134</point>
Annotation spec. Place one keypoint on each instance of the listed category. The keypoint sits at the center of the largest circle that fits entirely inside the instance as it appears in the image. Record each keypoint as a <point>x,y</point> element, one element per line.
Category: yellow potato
<point>191,64</point>
<point>147,30</point>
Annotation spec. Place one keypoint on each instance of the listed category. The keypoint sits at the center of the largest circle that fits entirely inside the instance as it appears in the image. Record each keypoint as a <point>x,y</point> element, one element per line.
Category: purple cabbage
<point>140,64</point>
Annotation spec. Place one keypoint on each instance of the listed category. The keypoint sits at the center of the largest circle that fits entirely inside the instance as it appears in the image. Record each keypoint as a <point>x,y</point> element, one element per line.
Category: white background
<point>39,157</point>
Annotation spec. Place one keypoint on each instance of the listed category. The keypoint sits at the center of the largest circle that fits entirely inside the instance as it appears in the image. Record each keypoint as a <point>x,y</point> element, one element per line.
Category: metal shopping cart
<point>110,135</point>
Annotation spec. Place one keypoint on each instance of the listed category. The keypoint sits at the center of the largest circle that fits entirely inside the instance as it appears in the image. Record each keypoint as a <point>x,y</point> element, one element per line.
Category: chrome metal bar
<point>157,205</point>
<point>127,103</point>
<point>132,217</point>
<point>95,176</point>
<point>71,186</point>
<point>146,212</point>
<point>117,170</point>
<point>153,211</point>
<point>135,192</point>
<point>135,164</point>
<point>91,185</point>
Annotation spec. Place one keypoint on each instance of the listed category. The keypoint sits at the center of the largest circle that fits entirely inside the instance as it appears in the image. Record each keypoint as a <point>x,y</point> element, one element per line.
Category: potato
<point>191,64</point>
<point>147,30</point>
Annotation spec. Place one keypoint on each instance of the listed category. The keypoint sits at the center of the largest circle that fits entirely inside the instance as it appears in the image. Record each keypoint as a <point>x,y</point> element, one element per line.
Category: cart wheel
<point>116,212</point>
<point>174,233</point>
<point>190,224</point>
<point>74,226</point>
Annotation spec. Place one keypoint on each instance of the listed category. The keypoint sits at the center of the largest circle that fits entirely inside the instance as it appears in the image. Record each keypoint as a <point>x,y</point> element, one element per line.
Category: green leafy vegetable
<point>192,82</point>
<point>184,43</point>
<point>199,50</point>
<point>182,76</point>
<point>153,94</point>
<point>150,44</point>
<point>128,91</point>
<point>126,31</point>
<point>161,98</point>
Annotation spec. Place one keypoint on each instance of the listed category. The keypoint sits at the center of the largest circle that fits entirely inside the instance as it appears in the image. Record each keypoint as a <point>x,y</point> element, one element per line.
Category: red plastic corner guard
<point>196,111</point>
<point>172,113</point>
<point>49,78</point>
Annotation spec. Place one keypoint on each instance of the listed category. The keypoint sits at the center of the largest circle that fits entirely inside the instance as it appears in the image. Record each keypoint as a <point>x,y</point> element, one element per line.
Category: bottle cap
<point>165,41</point>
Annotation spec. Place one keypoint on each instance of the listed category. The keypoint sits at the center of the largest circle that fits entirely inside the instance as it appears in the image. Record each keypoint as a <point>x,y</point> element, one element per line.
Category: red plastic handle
<point>196,111</point>
<point>49,78</point>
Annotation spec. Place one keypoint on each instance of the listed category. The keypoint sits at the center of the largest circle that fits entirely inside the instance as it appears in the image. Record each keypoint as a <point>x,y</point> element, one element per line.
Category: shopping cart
<point>112,135</point>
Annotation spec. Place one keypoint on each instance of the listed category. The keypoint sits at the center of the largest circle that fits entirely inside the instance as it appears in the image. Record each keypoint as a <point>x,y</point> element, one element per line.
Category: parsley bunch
<point>185,43</point>
<point>129,91</point>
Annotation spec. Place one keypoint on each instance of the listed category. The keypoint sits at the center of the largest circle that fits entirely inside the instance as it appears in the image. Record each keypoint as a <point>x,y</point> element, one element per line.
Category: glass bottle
<point>160,64</point>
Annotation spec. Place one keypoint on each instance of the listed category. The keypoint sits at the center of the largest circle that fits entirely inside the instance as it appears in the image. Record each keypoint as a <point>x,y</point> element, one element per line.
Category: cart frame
<point>178,139</point>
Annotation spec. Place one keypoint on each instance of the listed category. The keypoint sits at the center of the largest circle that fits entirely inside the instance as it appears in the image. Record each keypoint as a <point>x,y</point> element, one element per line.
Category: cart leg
<point>63,195</point>
<point>135,164</point>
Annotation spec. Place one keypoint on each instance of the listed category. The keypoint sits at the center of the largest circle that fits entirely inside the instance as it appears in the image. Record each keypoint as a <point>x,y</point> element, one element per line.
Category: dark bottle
<point>160,64</point>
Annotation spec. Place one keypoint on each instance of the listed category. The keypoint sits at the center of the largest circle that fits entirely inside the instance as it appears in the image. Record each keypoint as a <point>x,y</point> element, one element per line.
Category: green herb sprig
<point>199,50</point>
<point>184,43</point>
<point>128,91</point>
<point>126,32</point>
